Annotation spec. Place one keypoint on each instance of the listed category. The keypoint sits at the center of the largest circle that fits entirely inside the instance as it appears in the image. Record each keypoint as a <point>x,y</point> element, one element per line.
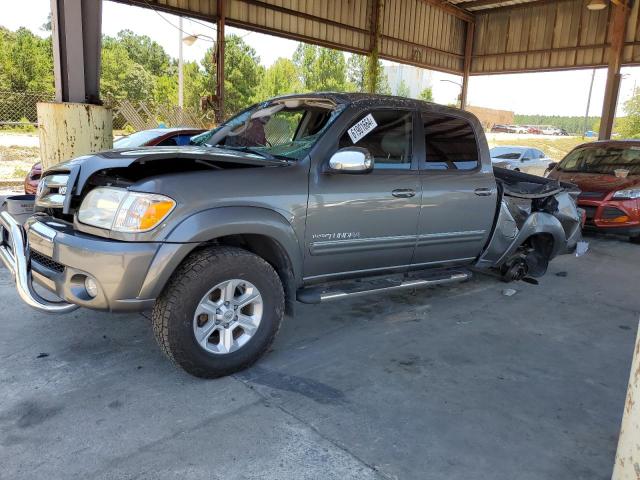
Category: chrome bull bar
<point>15,259</point>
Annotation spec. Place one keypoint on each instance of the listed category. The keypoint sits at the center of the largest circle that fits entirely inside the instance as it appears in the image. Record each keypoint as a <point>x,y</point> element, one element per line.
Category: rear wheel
<point>219,312</point>
<point>635,239</point>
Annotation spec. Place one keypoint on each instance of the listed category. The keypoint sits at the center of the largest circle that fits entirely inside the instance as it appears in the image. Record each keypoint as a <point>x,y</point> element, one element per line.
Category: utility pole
<point>180,67</point>
<point>586,114</point>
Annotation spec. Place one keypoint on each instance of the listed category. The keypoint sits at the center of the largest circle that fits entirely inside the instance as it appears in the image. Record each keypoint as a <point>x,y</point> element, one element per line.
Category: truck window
<point>389,141</point>
<point>450,143</point>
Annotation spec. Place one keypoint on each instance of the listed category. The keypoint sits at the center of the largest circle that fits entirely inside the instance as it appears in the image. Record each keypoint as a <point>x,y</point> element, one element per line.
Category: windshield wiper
<point>264,154</point>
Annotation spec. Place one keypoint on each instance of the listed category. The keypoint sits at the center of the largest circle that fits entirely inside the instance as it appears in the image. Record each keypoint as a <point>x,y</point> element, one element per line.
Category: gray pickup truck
<point>309,197</point>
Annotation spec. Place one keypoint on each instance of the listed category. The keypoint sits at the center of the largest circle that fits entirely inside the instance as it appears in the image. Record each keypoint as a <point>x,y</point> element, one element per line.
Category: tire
<point>635,239</point>
<point>174,315</point>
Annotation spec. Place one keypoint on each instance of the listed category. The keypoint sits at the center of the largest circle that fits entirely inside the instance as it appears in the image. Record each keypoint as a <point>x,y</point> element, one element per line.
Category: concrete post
<point>627,463</point>
<point>68,130</point>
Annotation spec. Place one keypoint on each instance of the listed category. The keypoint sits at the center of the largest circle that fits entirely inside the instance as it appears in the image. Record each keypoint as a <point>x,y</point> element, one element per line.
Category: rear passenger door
<point>459,195</point>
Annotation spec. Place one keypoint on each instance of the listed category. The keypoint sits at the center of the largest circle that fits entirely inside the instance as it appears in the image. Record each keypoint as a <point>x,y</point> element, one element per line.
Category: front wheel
<point>635,239</point>
<point>219,312</point>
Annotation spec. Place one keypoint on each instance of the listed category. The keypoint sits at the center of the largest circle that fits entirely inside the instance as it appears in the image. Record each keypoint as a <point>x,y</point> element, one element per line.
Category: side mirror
<point>351,160</point>
<point>551,166</point>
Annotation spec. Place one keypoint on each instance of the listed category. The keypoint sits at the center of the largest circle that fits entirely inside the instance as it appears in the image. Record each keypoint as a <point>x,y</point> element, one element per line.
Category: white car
<point>520,159</point>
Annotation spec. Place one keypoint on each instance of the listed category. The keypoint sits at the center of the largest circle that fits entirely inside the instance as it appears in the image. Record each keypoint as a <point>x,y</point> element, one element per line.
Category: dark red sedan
<point>608,174</point>
<point>156,137</point>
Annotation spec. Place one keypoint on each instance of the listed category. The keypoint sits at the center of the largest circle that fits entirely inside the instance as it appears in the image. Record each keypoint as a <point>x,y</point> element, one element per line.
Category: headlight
<point>122,211</point>
<point>627,194</point>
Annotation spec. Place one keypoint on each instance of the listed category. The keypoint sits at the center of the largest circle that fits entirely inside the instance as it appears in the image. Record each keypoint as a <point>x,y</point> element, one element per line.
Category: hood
<point>597,182</point>
<point>82,168</point>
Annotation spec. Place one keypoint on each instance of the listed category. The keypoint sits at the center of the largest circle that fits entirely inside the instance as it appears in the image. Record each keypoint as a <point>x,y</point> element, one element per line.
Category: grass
<point>555,147</point>
<point>20,172</point>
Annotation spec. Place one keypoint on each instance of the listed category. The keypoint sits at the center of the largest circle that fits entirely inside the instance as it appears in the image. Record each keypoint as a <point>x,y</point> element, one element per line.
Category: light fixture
<point>597,5</point>
<point>190,39</point>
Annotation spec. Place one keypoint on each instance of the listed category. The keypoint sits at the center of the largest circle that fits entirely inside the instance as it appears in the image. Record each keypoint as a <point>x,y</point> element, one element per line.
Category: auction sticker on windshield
<point>360,129</point>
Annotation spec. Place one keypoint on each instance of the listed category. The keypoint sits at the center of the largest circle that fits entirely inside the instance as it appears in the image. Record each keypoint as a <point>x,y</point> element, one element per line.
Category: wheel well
<point>541,249</point>
<point>274,254</point>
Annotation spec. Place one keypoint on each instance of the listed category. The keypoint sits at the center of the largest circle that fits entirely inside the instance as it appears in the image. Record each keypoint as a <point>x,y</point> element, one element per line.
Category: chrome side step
<point>357,288</point>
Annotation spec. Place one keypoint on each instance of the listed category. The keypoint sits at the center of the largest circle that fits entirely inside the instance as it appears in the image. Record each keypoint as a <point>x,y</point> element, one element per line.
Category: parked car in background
<point>551,130</point>
<point>155,137</point>
<point>608,174</point>
<point>520,159</point>
<point>518,129</point>
<point>533,130</point>
<point>499,128</point>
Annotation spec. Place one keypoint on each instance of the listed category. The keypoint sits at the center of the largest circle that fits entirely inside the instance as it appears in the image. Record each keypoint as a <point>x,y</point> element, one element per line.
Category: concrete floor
<point>448,383</point>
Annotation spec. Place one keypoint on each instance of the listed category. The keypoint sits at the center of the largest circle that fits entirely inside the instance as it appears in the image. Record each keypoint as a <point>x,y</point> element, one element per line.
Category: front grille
<point>589,211</point>
<point>609,213</point>
<point>591,195</point>
<point>46,262</point>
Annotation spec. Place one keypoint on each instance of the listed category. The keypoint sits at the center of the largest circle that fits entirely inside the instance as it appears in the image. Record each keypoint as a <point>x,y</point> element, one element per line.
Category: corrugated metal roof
<point>510,35</point>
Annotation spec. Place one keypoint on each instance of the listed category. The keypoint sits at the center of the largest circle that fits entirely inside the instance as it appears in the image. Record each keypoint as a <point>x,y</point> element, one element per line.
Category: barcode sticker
<point>362,128</point>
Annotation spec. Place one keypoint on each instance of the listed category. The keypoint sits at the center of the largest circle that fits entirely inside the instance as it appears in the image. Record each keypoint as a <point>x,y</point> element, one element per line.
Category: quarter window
<point>389,141</point>
<point>450,143</point>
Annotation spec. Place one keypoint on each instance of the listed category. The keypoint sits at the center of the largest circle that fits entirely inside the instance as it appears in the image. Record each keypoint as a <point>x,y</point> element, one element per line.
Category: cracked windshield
<point>285,129</point>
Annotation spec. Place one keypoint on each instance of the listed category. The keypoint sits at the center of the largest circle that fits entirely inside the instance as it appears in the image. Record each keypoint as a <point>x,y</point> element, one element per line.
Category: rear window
<point>450,143</point>
<point>603,160</point>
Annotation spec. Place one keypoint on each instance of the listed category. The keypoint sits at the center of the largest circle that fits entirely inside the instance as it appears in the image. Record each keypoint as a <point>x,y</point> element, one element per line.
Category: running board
<point>357,288</point>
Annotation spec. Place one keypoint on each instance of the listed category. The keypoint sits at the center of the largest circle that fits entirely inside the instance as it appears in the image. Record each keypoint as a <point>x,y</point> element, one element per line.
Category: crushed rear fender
<point>531,206</point>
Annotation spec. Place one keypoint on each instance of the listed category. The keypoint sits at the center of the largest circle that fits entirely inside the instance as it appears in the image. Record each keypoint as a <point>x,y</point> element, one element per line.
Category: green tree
<point>278,79</point>
<point>358,75</point>
<point>243,73</point>
<point>427,94</point>
<point>144,51</point>
<point>403,89</point>
<point>121,77</point>
<point>321,69</point>
<point>629,126</point>
<point>26,62</point>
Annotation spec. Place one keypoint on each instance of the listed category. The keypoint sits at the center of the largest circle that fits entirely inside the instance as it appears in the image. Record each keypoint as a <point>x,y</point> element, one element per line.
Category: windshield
<point>283,128</point>
<point>602,160</point>
<point>137,139</point>
<point>505,153</point>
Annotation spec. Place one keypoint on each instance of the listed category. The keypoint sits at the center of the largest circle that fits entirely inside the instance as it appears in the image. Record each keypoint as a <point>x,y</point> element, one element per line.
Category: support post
<point>77,123</point>
<point>220,60</point>
<point>627,462</point>
<point>468,51</point>
<point>76,36</point>
<point>373,69</point>
<point>617,29</point>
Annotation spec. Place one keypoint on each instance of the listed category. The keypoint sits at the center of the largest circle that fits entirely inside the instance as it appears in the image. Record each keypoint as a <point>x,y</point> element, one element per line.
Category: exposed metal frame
<point>76,39</point>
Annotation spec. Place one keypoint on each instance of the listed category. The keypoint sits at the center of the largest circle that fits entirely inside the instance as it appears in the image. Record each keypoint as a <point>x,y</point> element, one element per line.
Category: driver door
<point>364,223</point>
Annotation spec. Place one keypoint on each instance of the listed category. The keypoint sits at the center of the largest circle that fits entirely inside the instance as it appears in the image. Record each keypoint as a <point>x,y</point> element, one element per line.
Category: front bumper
<point>613,216</point>
<point>53,255</point>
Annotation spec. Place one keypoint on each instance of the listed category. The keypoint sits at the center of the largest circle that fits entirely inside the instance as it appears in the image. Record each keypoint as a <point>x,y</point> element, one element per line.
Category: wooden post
<point>617,29</point>
<point>373,68</point>
<point>627,463</point>
<point>220,60</point>
<point>468,51</point>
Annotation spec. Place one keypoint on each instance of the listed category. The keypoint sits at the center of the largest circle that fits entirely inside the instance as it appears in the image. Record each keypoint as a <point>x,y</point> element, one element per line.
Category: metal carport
<point>463,37</point>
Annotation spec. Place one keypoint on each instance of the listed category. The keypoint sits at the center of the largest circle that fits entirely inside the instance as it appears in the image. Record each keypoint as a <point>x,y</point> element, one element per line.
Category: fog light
<point>91,287</point>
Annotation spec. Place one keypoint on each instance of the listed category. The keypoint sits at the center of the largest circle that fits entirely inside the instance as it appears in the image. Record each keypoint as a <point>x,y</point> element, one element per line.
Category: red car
<point>608,174</point>
<point>155,137</point>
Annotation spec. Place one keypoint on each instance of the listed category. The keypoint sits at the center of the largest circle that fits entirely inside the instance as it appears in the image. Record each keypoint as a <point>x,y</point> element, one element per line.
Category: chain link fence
<point>20,109</point>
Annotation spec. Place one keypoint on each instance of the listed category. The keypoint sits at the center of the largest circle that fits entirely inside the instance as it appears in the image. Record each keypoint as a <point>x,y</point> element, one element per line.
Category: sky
<point>548,93</point>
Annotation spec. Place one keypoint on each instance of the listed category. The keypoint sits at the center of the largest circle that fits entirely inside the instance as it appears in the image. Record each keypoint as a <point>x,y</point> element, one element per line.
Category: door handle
<point>482,192</point>
<point>403,193</point>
